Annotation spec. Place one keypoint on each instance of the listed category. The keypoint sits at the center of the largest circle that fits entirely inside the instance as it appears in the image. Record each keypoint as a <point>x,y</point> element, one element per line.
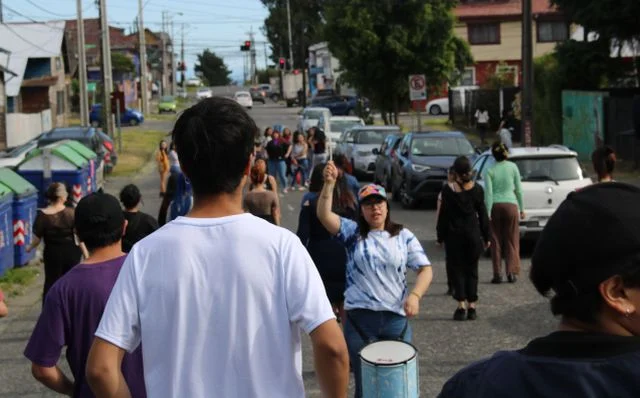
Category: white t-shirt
<point>218,305</point>
<point>482,116</point>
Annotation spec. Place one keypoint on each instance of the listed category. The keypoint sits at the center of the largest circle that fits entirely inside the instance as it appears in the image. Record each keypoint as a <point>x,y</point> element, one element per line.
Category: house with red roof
<point>493,29</point>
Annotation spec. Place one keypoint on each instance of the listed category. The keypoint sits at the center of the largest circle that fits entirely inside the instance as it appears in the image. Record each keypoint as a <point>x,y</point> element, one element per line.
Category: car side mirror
<point>376,151</point>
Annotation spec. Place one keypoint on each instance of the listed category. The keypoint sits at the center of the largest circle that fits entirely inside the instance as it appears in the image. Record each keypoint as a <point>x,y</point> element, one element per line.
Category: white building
<point>324,69</point>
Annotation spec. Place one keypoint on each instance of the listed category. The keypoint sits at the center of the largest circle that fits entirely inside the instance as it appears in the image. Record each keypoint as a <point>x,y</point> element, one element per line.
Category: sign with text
<point>417,87</point>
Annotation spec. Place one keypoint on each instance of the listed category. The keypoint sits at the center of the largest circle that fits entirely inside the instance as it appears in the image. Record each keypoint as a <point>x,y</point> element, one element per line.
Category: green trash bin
<point>96,168</point>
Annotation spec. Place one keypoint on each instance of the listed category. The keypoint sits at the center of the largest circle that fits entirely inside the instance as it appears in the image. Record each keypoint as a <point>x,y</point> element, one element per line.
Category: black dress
<point>61,253</point>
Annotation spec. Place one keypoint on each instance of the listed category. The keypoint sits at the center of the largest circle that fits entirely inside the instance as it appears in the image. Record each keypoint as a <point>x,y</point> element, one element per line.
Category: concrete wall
<point>23,127</point>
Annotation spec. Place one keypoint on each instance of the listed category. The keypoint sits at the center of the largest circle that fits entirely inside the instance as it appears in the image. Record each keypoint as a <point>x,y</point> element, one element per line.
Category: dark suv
<point>421,164</point>
<point>384,157</point>
<point>93,139</point>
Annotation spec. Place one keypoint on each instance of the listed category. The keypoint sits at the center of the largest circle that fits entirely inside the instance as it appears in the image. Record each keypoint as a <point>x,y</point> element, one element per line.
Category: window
<point>468,77</point>
<point>552,31</point>
<point>60,102</point>
<point>486,33</point>
<point>477,167</point>
<point>371,137</point>
<point>562,168</point>
<point>423,146</point>
<point>11,104</point>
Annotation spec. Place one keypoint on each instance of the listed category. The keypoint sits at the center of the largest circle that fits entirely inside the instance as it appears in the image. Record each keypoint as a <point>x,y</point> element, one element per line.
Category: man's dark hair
<point>214,141</point>
<point>99,221</point>
<point>130,196</point>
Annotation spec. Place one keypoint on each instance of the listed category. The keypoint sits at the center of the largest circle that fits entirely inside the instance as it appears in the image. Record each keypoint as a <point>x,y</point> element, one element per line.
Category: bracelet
<point>416,294</point>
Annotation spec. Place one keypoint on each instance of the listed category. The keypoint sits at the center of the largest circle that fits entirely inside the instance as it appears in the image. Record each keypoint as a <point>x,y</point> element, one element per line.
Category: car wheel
<point>133,122</point>
<point>435,110</point>
<point>405,199</point>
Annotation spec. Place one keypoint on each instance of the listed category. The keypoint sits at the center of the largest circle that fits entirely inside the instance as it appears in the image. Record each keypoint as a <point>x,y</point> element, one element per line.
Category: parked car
<point>334,126</point>
<point>548,175</point>
<point>422,162</point>
<point>130,117</point>
<point>167,104</point>
<point>438,106</point>
<point>204,92</point>
<point>194,82</point>
<point>358,143</point>
<point>244,98</point>
<point>257,95</point>
<point>310,116</point>
<point>323,93</point>
<point>384,156</point>
<point>12,157</point>
<point>340,105</point>
<point>91,137</point>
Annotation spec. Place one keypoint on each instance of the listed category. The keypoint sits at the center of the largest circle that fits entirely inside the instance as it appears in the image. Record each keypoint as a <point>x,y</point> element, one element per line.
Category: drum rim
<point>415,354</point>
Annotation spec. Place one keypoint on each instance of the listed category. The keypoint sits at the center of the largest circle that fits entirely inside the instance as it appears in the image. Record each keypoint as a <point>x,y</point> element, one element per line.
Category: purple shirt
<point>70,316</point>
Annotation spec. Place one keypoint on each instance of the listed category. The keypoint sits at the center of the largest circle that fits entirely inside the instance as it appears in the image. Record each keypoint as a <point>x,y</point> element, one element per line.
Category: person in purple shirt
<point>74,305</point>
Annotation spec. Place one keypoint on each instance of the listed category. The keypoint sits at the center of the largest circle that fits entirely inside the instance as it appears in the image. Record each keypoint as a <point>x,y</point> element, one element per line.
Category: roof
<point>502,8</point>
<point>24,41</point>
<point>438,134</point>
<point>539,151</point>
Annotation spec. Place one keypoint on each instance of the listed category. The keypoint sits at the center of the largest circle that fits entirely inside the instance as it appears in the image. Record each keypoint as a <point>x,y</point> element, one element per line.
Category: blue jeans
<point>278,169</point>
<point>376,325</point>
<point>302,167</point>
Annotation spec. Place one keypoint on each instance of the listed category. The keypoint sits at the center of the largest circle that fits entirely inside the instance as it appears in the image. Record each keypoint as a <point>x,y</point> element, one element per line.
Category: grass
<point>161,117</point>
<point>16,279</point>
<point>138,148</point>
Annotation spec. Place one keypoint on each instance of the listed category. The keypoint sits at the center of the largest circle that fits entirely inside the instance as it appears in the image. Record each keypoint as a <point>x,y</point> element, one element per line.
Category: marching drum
<point>389,370</point>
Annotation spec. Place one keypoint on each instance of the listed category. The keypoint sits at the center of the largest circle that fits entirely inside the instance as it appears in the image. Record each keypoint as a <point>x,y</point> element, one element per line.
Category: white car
<point>336,125</point>
<point>204,93</point>
<point>548,175</point>
<point>438,106</point>
<point>244,98</point>
<point>309,117</point>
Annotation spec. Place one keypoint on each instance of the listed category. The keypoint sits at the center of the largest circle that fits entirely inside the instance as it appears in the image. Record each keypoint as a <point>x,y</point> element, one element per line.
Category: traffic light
<point>282,63</point>
<point>246,46</point>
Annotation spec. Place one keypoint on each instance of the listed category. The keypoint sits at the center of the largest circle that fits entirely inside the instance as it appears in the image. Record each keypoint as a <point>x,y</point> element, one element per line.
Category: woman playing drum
<point>379,252</point>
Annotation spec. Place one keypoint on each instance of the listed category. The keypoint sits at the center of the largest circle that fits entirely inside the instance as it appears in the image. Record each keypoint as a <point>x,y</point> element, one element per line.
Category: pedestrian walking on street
<point>299,161</point>
<point>503,198</point>
<point>139,224</point>
<point>319,143</point>
<point>586,261</point>
<point>162,160</point>
<point>218,298</point>
<point>266,137</point>
<point>172,187</point>
<point>604,163</point>
<point>310,134</point>
<point>174,163</point>
<point>345,168</point>
<point>379,252</point>
<point>482,123</point>
<point>463,227</point>
<point>55,226</point>
<point>259,201</point>
<point>75,303</point>
<point>328,254</point>
<point>4,310</point>
<point>454,187</point>
<point>277,167</point>
<point>269,182</point>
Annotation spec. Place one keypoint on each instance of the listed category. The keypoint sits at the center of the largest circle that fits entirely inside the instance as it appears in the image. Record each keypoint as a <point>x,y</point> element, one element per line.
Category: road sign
<point>417,87</point>
<point>91,86</point>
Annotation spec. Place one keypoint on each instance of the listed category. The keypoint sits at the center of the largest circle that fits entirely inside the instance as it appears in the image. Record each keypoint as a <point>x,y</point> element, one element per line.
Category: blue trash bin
<point>25,207</point>
<point>6,229</point>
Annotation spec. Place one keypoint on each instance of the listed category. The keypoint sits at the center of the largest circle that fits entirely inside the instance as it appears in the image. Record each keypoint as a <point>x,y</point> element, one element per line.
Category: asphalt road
<point>508,315</point>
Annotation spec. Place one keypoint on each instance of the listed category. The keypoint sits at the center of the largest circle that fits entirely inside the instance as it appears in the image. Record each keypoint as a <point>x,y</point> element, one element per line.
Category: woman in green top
<point>503,197</point>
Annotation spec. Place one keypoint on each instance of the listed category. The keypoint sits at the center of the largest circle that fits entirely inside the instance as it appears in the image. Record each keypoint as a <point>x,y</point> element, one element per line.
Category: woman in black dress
<point>328,254</point>
<point>55,225</point>
<point>463,227</point>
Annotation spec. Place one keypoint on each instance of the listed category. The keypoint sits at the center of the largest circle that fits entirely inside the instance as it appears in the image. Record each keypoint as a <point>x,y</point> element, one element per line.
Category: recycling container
<point>24,210</point>
<point>56,163</point>
<point>96,167</point>
<point>6,229</point>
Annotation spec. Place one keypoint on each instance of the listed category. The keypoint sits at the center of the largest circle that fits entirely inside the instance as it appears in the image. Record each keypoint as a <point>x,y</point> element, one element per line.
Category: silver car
<point>358,143</point>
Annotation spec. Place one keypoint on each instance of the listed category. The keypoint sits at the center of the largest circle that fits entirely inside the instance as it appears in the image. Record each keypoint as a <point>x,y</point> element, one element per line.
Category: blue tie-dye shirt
<point>377,267</point>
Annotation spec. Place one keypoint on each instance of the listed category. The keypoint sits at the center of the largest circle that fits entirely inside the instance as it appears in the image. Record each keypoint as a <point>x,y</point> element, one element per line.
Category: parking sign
<point>417,87</point>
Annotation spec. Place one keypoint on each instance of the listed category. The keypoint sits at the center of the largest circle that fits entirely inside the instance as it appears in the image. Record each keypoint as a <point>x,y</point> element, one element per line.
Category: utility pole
<point>182,59</point>
<point>303,100</point>
<point>527,73</point>
<point>252,54</point>
<point>290,39</point>
<point>1,15</point>
<point>143,60</point>
<point>173,59</point>
<point>107,78</point>
<point>266,58</point>
<point>82,67</point>
<point>164,54</point>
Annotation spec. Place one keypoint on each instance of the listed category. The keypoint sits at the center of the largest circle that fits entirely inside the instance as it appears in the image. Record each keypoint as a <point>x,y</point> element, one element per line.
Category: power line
<point>36,5</point>
<point>29,18</point>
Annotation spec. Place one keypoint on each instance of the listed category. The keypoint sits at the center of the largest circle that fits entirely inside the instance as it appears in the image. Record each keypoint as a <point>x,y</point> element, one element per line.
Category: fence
<point>23,127</point>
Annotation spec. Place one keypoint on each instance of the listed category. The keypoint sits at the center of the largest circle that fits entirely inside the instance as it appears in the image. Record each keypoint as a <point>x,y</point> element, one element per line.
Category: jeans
<point>278,169</point>
<point>302,167</point>
<point>376,325</point>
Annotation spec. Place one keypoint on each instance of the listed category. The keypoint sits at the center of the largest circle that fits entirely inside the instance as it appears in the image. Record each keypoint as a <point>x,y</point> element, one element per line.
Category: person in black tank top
<point>139,224</point>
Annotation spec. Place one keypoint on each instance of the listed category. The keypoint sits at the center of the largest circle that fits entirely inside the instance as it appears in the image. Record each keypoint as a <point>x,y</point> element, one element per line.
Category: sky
<point>219,25</point>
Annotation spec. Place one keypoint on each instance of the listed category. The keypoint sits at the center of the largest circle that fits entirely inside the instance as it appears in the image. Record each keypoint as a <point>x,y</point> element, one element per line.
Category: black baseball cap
<point>593,235</point>
<point>98,213</point>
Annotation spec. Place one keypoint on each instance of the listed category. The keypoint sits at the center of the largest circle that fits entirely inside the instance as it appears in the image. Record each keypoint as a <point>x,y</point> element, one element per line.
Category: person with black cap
<point>588,261</point>
<point>75,303</point>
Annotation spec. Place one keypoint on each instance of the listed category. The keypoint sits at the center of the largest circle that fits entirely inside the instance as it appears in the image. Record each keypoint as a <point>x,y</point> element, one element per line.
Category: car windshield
<point>315,115</point>
<point>559,168</point>
<point>202,90</point>
<point>372,136</point>
<point>441,146</point>
<point>242,95</point>
<point>167,98</point>
<point>340,126</point>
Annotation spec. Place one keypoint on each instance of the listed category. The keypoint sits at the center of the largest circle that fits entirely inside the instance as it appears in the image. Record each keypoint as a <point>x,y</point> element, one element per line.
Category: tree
<point>121,63</point>
<point>213,69</point>
<point>380,43</point>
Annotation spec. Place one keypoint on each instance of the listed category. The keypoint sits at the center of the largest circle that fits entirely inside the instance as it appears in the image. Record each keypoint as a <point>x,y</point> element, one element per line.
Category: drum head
<point>388,352</point>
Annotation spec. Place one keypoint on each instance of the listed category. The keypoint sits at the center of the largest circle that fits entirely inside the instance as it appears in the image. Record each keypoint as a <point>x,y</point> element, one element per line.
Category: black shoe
<point>471,314</point>
<point>460,314</point>
<point>497,279</point>
<point>512,278</point>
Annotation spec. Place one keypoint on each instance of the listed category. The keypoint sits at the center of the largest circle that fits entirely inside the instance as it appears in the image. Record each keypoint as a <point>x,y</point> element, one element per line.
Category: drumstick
<point>330,149</point>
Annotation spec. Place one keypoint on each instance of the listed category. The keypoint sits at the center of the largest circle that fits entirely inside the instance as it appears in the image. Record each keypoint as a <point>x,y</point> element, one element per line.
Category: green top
<point>62,151</point>
<point>81,149</point>
<point>15,182</point>
<point>502,185</point>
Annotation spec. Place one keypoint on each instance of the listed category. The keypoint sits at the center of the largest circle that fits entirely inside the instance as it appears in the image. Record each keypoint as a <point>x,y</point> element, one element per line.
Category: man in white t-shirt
<point>217,299</point>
